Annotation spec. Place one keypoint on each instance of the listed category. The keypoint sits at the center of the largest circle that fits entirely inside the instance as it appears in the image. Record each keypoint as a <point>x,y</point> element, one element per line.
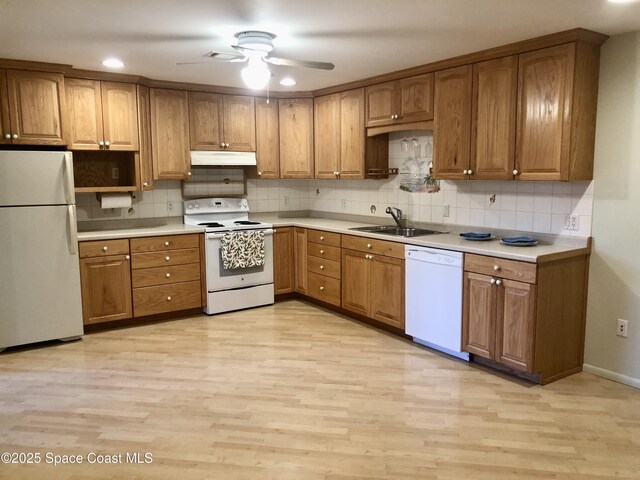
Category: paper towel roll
<point>115,200</point>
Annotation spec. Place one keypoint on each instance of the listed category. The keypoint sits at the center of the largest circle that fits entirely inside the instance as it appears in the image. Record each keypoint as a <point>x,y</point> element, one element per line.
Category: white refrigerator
<point>39,268</point>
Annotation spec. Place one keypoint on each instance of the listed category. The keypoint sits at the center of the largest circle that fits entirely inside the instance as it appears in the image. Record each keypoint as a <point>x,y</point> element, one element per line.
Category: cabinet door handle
<point>145,184</point>
<point>259,174</point>
<point>167,258</point>
<point>14,136</point>
<point>8,136</point>
<point>106,143</point>
<point>168,299</point>
<point>498,282</point>
<point>469,172</point>
<point>188,174</point>
<point>493,281</point>
<point>127,257</point>
<point>516,172</point>
<point>101,143</point>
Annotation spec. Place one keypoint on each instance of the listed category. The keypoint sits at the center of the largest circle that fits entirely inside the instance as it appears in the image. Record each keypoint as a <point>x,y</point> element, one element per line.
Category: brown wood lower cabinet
<point>300,253</point>
<point>105,281</point>
<point>140,276</point>
<point>528,317</point>
<point>166,274</point>
<point>372,282</point>
<point>283,260</point>
<point>323,266</point>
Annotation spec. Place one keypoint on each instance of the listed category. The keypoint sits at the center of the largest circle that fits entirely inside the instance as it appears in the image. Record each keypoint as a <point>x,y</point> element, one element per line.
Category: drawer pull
<point>321,267</point>
<point>168,299</point>
<point>321,287</point>
<point>369,245</point>
<point>127,257</point>
<point>321,237</point>
<point>168,275</point>
<point>321,252</point>
<point>166,244</point>
<point>167,258</point>
<point>105,248</point>
<point>496,267</point>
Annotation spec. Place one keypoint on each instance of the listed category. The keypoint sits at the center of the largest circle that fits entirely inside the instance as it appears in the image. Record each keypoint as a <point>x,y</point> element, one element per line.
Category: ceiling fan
<point>255,47</point>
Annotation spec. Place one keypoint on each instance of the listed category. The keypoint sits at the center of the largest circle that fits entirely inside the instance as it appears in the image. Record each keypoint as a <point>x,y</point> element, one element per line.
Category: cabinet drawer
<point>166,298</point>
<point>322,266</point>
<point>146,277</point>
<point>499,267</point>
<point>324,238</point>
<point>170,257</point>
<point>323,251</point>
<point>102,248</point>
<point>372,245</point>
<point>166,242</point>
<point>324,288</point>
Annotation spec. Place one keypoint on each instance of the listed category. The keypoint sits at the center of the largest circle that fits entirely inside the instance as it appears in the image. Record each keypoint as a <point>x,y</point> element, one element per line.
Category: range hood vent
<point>223,159</point>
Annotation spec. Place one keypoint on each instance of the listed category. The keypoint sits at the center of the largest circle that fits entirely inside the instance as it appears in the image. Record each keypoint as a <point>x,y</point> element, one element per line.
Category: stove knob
<point>196,205</point>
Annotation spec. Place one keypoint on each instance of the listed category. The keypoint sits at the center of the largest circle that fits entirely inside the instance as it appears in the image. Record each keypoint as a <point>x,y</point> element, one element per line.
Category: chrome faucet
<point>397,215</point>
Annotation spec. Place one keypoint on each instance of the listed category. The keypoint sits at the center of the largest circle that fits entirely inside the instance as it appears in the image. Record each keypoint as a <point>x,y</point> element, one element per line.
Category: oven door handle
<point>217,236</point>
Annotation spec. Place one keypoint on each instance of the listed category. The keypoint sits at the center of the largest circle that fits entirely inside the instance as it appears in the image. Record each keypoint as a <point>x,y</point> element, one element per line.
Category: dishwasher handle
<point>438,257</point>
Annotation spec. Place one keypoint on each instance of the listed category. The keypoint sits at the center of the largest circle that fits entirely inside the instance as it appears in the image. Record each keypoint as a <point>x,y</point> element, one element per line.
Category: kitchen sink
<point>396,231</point>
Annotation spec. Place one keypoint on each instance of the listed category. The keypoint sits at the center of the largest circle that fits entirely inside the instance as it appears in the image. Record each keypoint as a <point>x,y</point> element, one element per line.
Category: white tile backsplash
<point>526,206</point>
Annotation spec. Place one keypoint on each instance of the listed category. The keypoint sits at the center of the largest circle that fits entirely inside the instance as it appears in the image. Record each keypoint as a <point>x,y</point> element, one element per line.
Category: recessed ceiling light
<point>287,82</point>
<point>113,63</point>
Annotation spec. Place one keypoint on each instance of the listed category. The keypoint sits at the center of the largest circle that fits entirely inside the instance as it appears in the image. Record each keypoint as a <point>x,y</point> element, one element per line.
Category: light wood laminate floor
<point>292,391</point>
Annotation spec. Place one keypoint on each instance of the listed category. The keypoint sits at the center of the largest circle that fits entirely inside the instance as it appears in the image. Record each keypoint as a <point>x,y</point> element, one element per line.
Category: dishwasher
<point>433,301</point>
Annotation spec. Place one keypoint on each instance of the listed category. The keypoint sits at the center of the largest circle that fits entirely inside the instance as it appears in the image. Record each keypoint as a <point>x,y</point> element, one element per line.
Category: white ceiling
<point>362,37</point>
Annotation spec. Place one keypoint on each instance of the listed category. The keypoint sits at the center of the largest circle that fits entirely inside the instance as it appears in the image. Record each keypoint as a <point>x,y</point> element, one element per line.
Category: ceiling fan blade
<point>299,63</point>
<point>229,57</point>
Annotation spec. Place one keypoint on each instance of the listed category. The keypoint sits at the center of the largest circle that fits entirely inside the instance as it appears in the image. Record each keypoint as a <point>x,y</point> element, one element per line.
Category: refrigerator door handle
<point>68,174</point>
<point>72,239</point>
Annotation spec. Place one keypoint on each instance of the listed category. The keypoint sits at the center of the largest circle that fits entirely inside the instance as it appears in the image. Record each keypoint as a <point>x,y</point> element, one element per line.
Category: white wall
<point>614,286</point>
<point>527,206</point>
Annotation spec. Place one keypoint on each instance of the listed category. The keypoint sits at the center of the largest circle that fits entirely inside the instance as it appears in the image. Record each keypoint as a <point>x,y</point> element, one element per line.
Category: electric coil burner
<point>237,288</point>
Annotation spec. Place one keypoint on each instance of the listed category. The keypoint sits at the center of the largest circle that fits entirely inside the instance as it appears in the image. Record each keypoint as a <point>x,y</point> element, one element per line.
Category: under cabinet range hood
<point>223,159</point>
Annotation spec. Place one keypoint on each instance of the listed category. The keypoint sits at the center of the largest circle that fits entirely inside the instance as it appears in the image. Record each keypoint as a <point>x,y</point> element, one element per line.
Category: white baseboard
<point>616,377</point>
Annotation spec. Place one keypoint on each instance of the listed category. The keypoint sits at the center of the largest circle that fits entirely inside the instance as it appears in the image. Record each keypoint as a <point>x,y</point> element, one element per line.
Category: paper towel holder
<point>99,198</point>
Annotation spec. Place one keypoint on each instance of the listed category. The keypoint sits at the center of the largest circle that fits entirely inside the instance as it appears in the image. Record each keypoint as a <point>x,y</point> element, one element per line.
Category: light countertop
<point>550,248</point>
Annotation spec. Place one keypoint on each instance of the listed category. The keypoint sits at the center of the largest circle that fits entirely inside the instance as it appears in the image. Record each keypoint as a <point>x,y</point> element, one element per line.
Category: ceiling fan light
<point>256,75</point>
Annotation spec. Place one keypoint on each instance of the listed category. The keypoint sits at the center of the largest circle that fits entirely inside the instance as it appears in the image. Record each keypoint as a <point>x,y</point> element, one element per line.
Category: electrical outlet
<point>286,200</point>
<point>445,210</point>
<point>115,173</point>
<point>571,222</point>
<point>622,328</point>
<point>343,204</point>
<point>169,206</point>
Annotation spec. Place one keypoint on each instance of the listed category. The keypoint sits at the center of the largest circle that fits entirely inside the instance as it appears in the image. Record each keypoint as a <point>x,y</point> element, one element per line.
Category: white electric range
<point>238,288</point>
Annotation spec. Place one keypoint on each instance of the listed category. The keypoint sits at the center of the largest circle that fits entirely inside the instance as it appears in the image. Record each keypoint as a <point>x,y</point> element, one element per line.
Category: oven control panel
<point>205,205</point>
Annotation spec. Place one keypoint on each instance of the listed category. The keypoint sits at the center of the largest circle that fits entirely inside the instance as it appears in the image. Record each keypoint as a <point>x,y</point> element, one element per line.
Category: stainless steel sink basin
<point>396,231</point>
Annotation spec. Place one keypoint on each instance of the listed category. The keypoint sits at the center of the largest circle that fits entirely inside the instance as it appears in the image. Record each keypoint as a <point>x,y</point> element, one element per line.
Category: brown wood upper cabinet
<point>32,107</point>
<point>102,115</point>
<point>222,122</point>
<point>340,135</point>
<point>145,172</point>
<point>170,134</point>
<point>267,139</point>
<point>401,101</point>
<point>493,126</point>
<point>452,122</point>
<point>557,96</point>
<point>296,137</point>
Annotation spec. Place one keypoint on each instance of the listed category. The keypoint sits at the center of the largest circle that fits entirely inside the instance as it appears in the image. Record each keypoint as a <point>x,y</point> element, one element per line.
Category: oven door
<point>219,278</point>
